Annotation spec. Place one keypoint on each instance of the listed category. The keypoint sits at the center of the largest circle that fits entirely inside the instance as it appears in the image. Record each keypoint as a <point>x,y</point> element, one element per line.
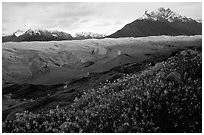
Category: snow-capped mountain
<point>45,35</point>
<point>37,32</point>
<point>36,35</point>
<point>18,33</point>
<point>56,34</point>
<point>199,20</point>
<point>88,35</point>
<point>163,14</point>
<point>61,34</point>
<point>160,22</point>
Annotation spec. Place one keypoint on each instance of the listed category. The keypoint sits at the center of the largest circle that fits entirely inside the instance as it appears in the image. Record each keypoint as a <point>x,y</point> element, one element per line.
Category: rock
<point>165,92</point>
<point>160,75</point>
<point>174,76</point>
<point>121,129</point>
<point>64,125</point>
<point>200,55</point>
<point>65,86</point>
<point>12,115</point>
<point>158,66</point>
<point>69,125</point>
<point>71,131</point>
<point>184,53</point>
<point>185,75</point>
<point>193,52</point>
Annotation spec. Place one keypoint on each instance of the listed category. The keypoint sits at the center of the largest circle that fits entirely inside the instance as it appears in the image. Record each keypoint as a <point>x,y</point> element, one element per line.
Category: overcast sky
<point>83,17</point>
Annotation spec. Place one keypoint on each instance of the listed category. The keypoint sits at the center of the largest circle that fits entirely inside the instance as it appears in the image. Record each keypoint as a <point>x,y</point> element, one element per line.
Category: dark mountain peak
<point>162,21</point>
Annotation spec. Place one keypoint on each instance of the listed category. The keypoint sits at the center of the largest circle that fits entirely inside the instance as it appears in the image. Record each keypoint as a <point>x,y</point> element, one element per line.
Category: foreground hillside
<point>166,97</point>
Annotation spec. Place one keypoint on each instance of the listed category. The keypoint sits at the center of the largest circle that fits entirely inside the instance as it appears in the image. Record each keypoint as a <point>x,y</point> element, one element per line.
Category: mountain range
<point>45,35</point>
<point>37,35</point>
<point>88,35</point>
<point>160,22</point>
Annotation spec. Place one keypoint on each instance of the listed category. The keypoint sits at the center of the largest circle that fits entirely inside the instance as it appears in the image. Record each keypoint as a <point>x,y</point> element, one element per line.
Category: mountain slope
<point>9,38</point>
<point>161,22</point>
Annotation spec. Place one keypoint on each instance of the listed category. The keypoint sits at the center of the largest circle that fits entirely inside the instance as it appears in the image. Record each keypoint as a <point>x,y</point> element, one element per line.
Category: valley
<point>50,63</point>
<point>36,79</point>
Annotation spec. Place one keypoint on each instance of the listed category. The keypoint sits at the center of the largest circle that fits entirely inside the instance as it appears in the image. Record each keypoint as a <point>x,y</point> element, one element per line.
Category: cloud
<point>74,17</point>
<point>104,23</point>
<point>118,22</point>
<point>84,20</point>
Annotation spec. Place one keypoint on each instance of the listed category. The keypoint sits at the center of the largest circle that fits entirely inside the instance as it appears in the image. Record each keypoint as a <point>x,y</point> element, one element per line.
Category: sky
<point>74,17</point>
